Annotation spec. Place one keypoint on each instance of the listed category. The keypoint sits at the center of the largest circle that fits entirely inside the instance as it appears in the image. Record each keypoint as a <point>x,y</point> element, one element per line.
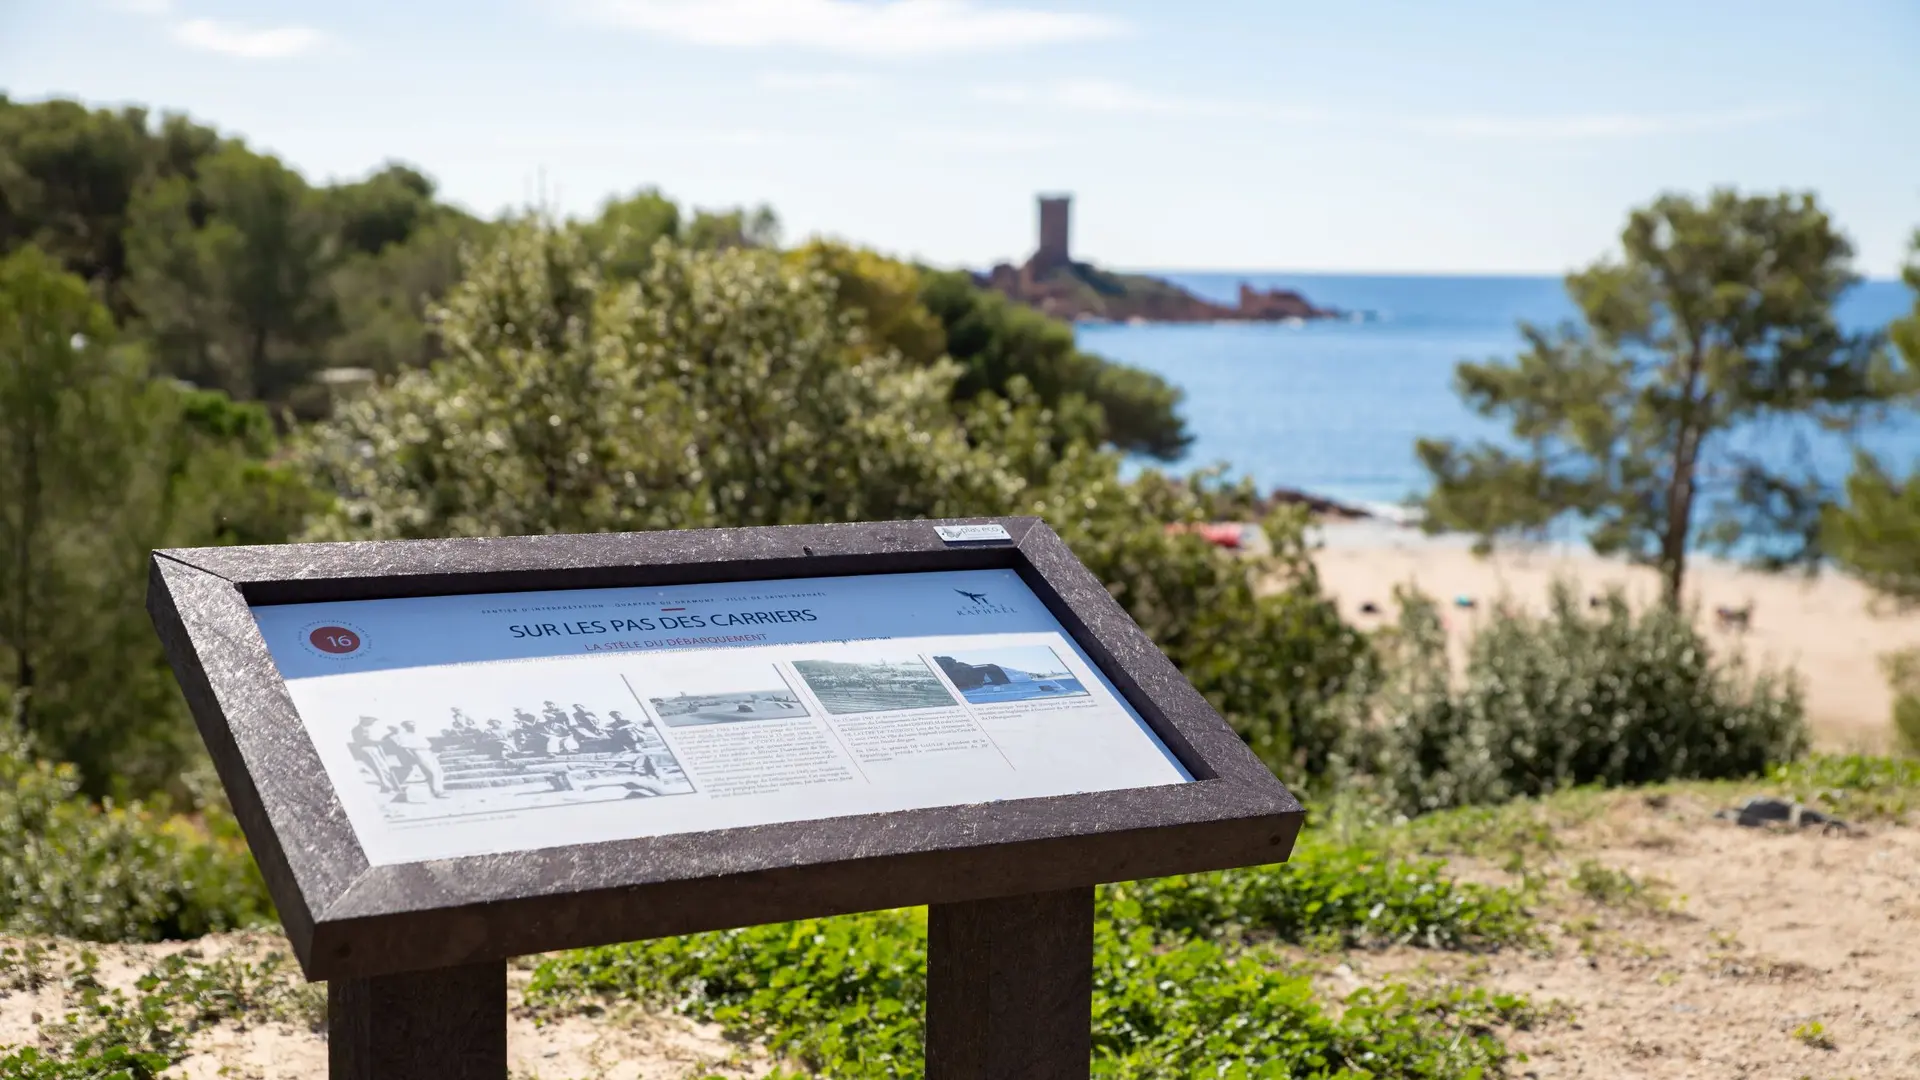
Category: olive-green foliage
<point>1903,673</point>
<point>228,271</point>
<point>721,388</point>
<point>1179,992</point>
<point>995,339</point>
<point>399,252</point>
<point>111,872</point>
<point>68,174</point>
<point>1718,314</point>
<point>99,464</point>
<point>108,1034</point>
<point>1571,698</point>
<point>1876,533</point>
<point>625,232</point>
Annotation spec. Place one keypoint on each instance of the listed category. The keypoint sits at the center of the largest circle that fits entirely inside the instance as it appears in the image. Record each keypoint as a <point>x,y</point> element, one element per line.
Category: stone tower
<point>1053,249</point>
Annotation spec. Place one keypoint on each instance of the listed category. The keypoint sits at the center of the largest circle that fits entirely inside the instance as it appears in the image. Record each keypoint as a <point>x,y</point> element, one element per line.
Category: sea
<point>1333,407</point>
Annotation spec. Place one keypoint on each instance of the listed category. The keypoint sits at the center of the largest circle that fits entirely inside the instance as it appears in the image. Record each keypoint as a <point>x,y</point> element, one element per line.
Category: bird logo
<point>976,597</point>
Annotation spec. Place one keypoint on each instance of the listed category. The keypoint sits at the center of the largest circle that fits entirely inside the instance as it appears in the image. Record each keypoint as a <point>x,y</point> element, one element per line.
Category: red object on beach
<point>1227,535</point>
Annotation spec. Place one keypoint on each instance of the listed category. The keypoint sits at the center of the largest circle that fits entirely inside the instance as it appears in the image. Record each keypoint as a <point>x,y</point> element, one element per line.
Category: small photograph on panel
<point>1010,674</point>
<point>845,687</point>
<point>702,694</point>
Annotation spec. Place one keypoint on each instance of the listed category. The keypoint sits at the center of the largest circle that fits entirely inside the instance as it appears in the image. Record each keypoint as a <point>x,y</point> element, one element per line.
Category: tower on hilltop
<point>1054,232</point>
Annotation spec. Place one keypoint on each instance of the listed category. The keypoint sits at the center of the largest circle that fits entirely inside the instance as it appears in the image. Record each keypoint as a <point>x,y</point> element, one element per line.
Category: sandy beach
<point>1828,628</point>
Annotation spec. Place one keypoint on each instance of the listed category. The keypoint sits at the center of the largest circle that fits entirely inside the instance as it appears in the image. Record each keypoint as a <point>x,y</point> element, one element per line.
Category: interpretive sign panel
<point>484,724</point>
<point>449,752</point>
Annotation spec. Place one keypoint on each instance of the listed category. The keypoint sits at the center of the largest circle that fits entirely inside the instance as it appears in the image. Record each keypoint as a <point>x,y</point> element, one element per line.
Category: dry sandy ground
<point>1764,935</point>
<point>627,1044</point>
<point>1827,628</point>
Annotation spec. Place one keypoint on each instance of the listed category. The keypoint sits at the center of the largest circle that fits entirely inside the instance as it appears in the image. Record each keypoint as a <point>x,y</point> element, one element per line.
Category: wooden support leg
<point>1010,988</point>
<point>445,1024</point>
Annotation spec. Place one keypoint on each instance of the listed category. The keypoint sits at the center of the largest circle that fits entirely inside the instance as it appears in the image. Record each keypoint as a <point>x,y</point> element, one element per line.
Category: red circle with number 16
<point>337,640</point>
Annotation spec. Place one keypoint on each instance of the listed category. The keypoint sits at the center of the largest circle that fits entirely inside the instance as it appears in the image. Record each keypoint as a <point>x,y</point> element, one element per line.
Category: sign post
<point>446,753</point>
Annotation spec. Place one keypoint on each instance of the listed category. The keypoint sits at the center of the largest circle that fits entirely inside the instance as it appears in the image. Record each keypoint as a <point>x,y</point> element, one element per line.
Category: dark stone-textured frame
<point>349,920</point>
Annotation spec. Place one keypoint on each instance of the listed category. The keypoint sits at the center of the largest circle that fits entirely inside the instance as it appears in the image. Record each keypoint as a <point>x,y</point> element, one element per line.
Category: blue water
<point>1334,407</point>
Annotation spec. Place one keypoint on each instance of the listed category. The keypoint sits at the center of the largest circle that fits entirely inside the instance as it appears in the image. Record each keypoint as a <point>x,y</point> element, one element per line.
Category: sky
<point>1469,137</point>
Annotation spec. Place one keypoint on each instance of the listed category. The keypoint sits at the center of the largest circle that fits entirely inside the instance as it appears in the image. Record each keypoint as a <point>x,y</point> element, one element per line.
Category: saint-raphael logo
<point>334,640</point>
<point>979,603</point>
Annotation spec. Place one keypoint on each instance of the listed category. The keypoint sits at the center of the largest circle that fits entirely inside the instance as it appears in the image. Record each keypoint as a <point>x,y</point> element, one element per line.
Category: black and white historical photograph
<point>466,758</point>
<point>1010,674</point>
<point>863,686</point>
<point>708,691</point>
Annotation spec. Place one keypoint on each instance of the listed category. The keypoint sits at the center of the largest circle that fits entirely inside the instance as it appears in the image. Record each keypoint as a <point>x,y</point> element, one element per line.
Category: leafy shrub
<point>1568,699</point>
<point>114,873</point>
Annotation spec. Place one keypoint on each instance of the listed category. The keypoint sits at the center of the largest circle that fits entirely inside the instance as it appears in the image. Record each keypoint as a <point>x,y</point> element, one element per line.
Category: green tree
<point>994,340</point>
<point>229,273</point>
<point>1719,313</point>
<point>69,173</point>
<point>723,387</point>
<point>98,464</point>
<point>384,209</point>
<point>627,229</point>
<point>1876,533</point>
<point>382,299</point>
<point>757,227</point>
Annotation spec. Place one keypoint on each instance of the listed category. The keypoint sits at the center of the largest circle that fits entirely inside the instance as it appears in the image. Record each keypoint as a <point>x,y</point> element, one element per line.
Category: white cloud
<point>816,80</point>
<point>141,7</point>
<point>229,39</point>
<point>1594,126</point>
<point>854,27</point>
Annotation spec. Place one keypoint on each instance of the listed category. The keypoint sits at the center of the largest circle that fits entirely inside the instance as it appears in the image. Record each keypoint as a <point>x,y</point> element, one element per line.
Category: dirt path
<point>626,1044</point>
<point>1756,938</point>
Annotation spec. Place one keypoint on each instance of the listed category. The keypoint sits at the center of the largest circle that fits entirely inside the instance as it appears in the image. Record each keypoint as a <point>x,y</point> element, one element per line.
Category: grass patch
<point>1512,834</point>
<point>1604,885</point>
<point>1338,895</point>
<point>1857,787</point>
<point>1186,983</point>
<point>1813,1033</point>
<point>845,998</point>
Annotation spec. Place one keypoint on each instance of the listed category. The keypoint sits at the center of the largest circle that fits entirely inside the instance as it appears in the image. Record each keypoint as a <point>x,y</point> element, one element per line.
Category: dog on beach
<point>1734,618</point>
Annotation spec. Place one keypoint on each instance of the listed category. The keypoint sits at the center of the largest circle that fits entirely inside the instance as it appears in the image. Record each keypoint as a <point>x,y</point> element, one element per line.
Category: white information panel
<point>482,724</point>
